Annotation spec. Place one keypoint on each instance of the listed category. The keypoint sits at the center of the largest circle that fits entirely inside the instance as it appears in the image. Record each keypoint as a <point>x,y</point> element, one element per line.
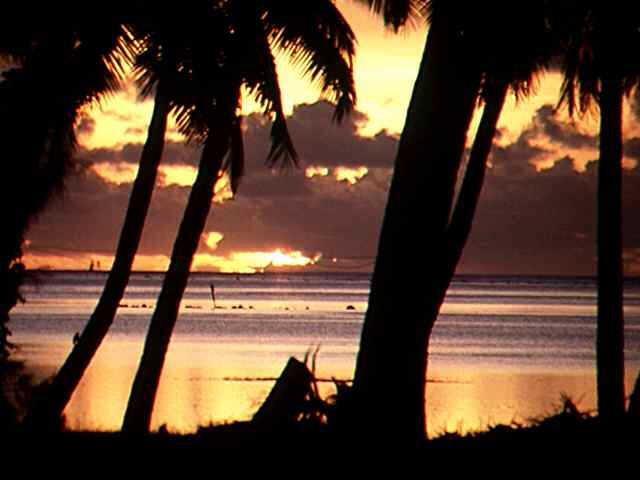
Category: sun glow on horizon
<point>254,261</point>
<point>234,262</point>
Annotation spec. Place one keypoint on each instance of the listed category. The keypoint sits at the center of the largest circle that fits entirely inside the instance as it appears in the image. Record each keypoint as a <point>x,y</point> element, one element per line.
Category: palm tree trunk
<point>53,403</point>
<point>634,400</point>
<point>388,389</point>
<point>467,202</point>
<point>610,332</point>
<point>140,407</point>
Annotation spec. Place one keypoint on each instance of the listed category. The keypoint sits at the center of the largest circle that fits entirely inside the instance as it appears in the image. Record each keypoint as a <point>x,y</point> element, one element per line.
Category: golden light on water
<point>195,391</point>
<point>472,400</point>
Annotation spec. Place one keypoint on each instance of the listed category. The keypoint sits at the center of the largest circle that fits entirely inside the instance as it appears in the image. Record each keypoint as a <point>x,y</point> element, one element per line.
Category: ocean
<point>504,349</point>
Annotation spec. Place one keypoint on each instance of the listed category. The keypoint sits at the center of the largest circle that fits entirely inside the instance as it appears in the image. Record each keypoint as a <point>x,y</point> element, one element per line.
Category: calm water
<point>503,348</point>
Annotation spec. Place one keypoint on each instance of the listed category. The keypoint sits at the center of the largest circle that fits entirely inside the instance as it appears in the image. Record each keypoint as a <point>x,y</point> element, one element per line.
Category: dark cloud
<point>547,122</point>
<point>174,154</point>
<point>321,142</point>
<point>544,222</point>
<point>527,222</point>
<point>632,148</point>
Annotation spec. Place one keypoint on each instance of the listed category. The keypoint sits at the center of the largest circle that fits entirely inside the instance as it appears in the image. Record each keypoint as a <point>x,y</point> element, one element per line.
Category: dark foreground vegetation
<point>297,423</point>
<point>566,431</point>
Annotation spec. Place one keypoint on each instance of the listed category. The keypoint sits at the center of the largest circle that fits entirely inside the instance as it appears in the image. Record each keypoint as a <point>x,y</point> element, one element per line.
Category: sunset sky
<point>537,213</point>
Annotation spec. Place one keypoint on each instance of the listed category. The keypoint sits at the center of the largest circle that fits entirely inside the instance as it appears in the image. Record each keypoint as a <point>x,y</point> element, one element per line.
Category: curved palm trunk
<point>139,409</point>
<point>467,202</point>
<point>610,331</point>
<point>388,389</point>
<point>66,380</point>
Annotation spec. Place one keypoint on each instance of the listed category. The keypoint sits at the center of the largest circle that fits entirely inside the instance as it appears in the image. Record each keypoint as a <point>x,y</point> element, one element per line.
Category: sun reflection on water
<point>196,392</point>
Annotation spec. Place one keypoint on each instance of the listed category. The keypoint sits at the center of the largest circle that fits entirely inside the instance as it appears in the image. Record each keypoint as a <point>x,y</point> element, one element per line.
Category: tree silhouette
<point>425,226</point>
<point>314,34</point>
<point>166,40</point>
<point>596,36</point>
<point>54,69</point>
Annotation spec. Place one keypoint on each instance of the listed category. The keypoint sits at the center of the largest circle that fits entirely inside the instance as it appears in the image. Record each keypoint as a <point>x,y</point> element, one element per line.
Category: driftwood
<point>286,400</point>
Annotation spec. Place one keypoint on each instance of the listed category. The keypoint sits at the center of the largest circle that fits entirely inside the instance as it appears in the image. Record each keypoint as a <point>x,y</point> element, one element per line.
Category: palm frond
<point>594,36</point>
<point>317,38</point>
<point>519,61</point>
<point>397,13</point>
<point>100,62</point>
<point>261,80</point>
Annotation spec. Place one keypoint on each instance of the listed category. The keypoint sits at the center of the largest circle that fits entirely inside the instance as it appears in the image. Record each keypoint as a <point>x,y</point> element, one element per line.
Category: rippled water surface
<point>503,349</point>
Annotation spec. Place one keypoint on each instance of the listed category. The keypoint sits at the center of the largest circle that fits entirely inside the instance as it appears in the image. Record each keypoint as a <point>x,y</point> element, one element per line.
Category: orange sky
<point>385,69</point>
<point>382,57</point>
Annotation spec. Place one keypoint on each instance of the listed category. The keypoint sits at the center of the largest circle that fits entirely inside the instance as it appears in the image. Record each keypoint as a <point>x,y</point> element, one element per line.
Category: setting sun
<point>252,262</point>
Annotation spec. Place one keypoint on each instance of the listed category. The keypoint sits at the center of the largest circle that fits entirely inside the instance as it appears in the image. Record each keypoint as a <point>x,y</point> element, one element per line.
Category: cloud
<point>529,220</point>
<point>547,122</point>
<point>321,142</point>
<point>543,221</point>
<point>350,175</point>
<point>212,239</point>
<point>86,125</point>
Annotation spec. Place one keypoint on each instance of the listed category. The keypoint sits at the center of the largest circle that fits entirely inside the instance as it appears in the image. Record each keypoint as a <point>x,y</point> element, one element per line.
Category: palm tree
<point>88,56</point>
<point>463,60</point>
<point>165,39</point>
<point>594,69</point>
<point>314,34</point>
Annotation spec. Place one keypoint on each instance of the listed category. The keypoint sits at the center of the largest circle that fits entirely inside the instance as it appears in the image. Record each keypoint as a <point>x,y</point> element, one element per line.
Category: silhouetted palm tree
<point>463,60</point>
<point>314,34</point>
<point>596,67</point>
<point>166,41</point>
<point>54,69</point>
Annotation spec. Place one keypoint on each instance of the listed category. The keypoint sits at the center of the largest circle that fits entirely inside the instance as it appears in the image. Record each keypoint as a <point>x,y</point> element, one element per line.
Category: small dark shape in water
<point>144,305</point>
<point>124,305</point>
<point>350,307</point>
